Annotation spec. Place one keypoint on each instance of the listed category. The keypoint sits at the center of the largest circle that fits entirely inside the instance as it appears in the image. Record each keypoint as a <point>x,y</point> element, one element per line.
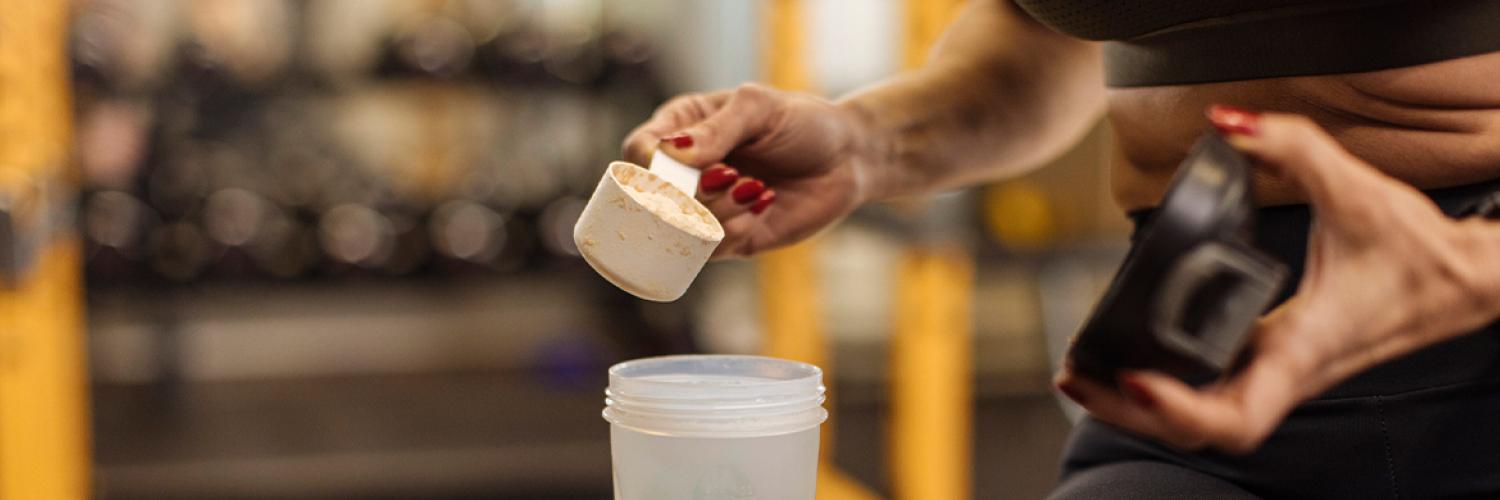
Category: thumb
<point>745,117</point>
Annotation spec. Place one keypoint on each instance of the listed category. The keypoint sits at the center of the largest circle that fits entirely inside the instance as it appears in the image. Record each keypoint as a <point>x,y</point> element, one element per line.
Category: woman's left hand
<point>1387,273</point>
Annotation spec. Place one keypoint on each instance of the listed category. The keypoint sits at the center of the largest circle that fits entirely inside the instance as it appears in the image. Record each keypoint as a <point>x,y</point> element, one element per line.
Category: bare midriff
<point>1435,125</point>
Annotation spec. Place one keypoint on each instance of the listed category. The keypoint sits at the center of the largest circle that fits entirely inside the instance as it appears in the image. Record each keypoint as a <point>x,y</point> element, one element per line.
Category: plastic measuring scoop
<point>650,248</point>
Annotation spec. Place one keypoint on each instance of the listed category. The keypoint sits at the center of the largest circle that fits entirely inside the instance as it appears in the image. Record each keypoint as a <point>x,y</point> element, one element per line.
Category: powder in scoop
<point>681,216</point>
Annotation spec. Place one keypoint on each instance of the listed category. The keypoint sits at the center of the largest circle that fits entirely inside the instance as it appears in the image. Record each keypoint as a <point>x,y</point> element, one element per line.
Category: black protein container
<point>1186,298</point>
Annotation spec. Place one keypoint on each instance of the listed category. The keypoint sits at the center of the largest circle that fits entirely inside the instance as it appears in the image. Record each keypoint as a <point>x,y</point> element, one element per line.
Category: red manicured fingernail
<point>747,191</point>
<point>1231,120</point>
<point>1136,391</point>
<point>764,200</point>
<point>1071,393</point>
<point>717,178</point>
<point>679,141</point>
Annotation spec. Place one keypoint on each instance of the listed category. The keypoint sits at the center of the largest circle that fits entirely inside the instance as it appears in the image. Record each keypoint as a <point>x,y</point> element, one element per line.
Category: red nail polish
<point>717,178</point>
<point>764,200</point>
<point>679,141</point>
<point>747,191</point>
<point>1136,391</point>
<point>1231,120</point>
<point>1071,393</point>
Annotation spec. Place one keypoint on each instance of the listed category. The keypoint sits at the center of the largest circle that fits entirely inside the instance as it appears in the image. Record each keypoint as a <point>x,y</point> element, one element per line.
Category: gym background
<point>269,249</point>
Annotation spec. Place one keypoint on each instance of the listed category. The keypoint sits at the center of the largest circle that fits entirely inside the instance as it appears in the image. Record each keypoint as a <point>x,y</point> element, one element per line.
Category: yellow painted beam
<point>784,47</point>
<point>931,427</point>
<point>931,376</point>
<point>791,317</point>
<point>44,450</point>
<point>44,443</point>
<point>789,295</point>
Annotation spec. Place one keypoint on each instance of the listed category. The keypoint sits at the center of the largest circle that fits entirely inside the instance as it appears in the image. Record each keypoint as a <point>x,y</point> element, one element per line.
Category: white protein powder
<point>679,215</point>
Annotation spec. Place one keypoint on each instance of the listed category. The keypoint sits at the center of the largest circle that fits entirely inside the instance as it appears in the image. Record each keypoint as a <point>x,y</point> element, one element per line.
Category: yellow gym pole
<point>931,370</point>
<point>44,451</point>
<point>931,352</point>
<point>787,278</point>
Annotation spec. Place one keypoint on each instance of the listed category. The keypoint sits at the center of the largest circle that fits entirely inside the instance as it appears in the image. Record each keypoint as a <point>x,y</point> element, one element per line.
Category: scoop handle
<point>685,178</point>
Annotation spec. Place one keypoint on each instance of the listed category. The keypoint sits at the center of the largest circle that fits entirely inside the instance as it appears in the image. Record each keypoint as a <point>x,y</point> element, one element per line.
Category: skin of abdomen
<point>1434,125</point>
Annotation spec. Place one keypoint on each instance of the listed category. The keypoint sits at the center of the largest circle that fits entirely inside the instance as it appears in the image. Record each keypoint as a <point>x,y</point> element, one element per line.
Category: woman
<point>1378,378</point>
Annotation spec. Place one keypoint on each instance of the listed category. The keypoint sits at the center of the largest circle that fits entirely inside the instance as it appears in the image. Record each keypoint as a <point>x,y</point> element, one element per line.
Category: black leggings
<point>1423,426</point>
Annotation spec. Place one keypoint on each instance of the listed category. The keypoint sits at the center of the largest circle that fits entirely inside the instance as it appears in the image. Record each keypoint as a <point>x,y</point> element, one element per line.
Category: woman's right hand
<point>777,166</point>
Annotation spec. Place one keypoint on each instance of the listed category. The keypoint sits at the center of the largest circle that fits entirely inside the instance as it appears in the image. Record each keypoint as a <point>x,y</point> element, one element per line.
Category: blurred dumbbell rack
<point>244,157</point>
<point>329,244</point>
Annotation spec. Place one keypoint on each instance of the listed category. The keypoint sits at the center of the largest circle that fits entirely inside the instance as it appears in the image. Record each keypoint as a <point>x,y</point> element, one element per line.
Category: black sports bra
<point>1172,42</point>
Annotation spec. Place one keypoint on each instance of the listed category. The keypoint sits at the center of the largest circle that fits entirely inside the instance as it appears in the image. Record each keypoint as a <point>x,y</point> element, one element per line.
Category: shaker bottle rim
<point>715,396</point>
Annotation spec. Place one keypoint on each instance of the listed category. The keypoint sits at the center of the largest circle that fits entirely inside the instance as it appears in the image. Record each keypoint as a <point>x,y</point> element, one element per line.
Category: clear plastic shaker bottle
<point>714,428</point>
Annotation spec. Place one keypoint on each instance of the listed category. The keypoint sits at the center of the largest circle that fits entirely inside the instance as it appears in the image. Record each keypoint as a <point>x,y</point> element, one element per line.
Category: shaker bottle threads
<point>714,428</point>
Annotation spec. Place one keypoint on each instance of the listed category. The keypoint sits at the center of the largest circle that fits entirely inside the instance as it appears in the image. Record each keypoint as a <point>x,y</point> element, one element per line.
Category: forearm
<point>1002,95</point>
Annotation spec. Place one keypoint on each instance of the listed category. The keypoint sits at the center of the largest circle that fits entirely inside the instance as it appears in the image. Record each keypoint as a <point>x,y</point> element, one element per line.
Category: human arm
<point>1001,94</point>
